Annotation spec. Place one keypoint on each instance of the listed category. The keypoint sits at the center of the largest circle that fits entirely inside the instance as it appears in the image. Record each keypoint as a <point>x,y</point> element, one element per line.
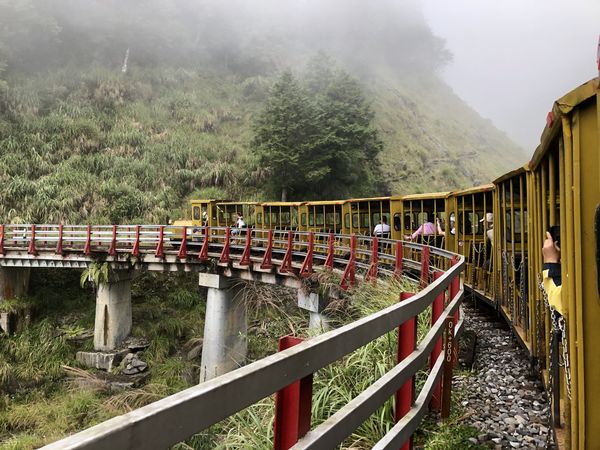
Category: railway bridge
<point>282,257</point>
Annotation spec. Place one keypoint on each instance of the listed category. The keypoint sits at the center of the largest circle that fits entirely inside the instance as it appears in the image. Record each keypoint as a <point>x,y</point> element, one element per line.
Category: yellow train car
<point>226,214</point>
<point>510,252</point>
<point>421,214</point>
<point>323,216</point>
<point>361,215</point>
<point>470,233</point>
<point>279,216</point>
<point>564,186</point>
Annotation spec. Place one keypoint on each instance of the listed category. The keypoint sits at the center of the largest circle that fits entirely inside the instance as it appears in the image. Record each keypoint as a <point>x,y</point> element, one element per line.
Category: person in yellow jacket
<point>551,274</point>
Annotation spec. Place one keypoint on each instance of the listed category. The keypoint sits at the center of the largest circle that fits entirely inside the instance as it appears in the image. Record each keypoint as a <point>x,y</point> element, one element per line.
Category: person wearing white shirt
<point>382,229</point>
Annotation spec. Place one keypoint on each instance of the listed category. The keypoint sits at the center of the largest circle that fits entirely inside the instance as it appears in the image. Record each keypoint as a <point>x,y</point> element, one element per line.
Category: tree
<point>283,134</point>
<point>319,141</point>
<point>347,144</point>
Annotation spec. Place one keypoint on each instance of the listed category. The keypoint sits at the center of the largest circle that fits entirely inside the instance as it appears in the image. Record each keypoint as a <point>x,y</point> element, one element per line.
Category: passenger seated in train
<point>382,229</point>
<point>551,270</point>
<point>427,229</point>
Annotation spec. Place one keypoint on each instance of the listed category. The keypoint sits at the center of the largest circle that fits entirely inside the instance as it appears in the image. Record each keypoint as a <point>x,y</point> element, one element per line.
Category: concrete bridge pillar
<point>224,346</point>
<point>314,304</point>
<point>14,283</point>
<point>113,311</point>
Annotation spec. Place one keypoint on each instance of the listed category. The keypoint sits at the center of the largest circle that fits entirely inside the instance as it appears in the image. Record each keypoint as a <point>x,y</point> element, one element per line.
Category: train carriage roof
<point>428,196</point>
<point>369,199</point>
<point>562,107</point>
<point>475,190</point>
<point>512,174</point>
<point>282,203</point>
<point>326,202</point>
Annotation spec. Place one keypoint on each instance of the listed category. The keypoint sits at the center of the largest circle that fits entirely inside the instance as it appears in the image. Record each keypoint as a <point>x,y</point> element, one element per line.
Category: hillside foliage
<point>113,113</point>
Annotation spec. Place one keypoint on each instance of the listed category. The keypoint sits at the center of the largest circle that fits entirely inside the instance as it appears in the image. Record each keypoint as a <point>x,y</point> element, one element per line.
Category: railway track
<point>500,396</point>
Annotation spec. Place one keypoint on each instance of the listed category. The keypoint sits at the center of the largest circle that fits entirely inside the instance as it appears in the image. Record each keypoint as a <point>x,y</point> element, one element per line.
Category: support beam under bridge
<point>224,346</point>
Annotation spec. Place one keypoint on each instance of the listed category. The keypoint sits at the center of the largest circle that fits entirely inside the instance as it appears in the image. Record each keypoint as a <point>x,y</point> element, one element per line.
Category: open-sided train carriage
<point>470,227</point>
<point>564,186</point>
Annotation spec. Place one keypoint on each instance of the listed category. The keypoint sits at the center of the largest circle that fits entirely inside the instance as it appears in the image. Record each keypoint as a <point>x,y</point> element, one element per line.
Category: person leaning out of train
<point>551,272</point>
<point>382,229</point>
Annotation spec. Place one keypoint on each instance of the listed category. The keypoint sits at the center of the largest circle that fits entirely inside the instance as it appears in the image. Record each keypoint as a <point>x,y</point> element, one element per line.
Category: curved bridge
<point>283,257</point>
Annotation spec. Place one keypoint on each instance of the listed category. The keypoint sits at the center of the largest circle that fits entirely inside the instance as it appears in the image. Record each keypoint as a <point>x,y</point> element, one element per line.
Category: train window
<point>320,219</point>
<point>347,220</point>
<point>422,217</point>
<point>355,220</point>
<point>474,218</point>
<point>196,213</point>
<point>333,219</point>
<point>267,218</point>
<point>303,219</point>
<point>408,225</point>
<point>259,218</point>
<point>311,219</point>
<point>397,222</point>
<point>376,218</point>
<point>285,217</point>
<point>364,220</point>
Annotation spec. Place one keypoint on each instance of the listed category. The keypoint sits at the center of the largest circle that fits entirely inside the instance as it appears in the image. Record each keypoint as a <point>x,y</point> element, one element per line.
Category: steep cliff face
<point>434,140</point>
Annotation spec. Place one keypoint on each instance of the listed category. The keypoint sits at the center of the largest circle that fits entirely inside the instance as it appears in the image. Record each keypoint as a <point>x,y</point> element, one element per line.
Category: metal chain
<point>550,437</point>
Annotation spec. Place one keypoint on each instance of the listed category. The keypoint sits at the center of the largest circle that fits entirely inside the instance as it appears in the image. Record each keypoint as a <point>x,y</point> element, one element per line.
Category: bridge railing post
<point>330,251</point>
<point>437,308</point>
<point>292,406</point>
<point>398,263</point>
<point>407,338</point>
<point>307,265</point>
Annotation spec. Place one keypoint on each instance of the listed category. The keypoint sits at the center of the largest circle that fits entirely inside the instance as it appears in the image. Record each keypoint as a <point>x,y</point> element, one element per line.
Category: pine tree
<point>283,135</point>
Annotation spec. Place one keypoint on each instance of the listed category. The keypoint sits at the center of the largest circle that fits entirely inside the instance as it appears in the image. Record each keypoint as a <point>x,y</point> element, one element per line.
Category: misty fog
<point>505,59</point>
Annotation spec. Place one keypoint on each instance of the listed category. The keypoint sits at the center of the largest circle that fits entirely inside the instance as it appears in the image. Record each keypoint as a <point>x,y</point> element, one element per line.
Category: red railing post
<point>292,406</point>
<point>112,250</point>
<point>87,249</point>
<point>266,262</point>
<point>349,276</point>
<point>372,272</point>
<point>182,253</point>
<point>224,257</point>
<point>245,261</point>
<point>1,239</point>
<point>407,338</point>
<point>437,308</point>
<point>136,246</point>
<point>32,250</point>
<point>306,269</point>
<point>160,246</point>
<point>399,256</point>
<point>424,266</point>
<point>203,256</point>
<point>59,244</point>
<point>286,264</point>
<point>330,251</point>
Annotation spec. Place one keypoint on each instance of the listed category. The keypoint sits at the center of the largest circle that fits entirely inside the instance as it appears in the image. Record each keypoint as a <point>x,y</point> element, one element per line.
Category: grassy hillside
<point>101,147</point>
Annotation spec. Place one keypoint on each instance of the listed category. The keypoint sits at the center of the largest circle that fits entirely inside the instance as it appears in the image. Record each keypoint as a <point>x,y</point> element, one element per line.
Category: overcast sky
<point>513,58</point>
